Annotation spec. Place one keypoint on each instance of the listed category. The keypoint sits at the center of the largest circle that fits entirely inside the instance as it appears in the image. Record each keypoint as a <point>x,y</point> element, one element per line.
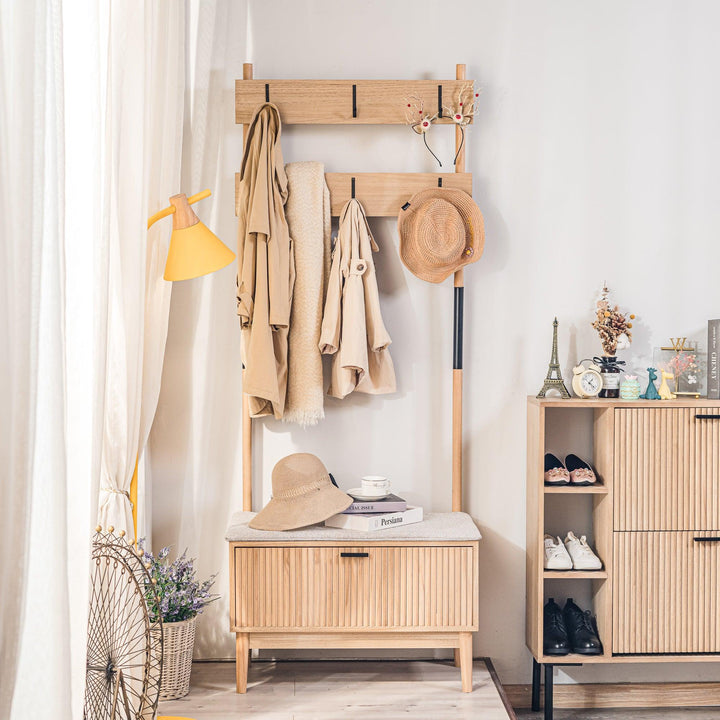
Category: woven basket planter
<point>178,642</point>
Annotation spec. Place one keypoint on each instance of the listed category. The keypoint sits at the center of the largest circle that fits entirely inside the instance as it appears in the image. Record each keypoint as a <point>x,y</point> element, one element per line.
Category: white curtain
<point>198,422</point>
<point>164,113</point>
<point>141,169</point>
<point>47,386</point>
<point>91,117</point>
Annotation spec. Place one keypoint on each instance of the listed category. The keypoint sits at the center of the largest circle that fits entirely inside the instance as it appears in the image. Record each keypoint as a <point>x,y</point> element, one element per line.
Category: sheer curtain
<point>198,423</point>
<point>141,169</point>
<point>91,119</point>
<point>44,569</point>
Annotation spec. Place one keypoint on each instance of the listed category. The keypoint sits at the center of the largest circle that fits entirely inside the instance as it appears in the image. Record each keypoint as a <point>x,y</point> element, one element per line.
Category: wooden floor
<point>348,690</point>
<point>627,714</point>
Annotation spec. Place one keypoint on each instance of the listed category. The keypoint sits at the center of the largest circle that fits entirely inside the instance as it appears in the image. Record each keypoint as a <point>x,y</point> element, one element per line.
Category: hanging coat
<point>265,265</point>
<point>353,329</point>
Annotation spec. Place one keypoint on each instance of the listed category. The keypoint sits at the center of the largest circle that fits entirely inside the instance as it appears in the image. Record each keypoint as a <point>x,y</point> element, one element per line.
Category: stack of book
<point>368,515</point>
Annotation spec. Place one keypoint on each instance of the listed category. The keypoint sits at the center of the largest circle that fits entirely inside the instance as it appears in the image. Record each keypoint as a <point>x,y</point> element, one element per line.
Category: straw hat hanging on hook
<point>441,230</point>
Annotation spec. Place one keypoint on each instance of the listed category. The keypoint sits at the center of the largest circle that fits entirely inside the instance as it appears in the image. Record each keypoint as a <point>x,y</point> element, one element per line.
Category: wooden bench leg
<point>466,661</point>
<point>457,657</point>
<point>242,648</point>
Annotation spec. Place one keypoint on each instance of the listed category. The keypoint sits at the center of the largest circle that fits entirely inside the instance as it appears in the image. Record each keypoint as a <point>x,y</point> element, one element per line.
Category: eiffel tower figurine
<point>554,380</point>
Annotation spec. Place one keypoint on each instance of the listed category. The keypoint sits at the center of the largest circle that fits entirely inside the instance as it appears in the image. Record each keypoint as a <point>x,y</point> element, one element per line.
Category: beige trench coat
<point>353,329</point>
<point>265,265</point>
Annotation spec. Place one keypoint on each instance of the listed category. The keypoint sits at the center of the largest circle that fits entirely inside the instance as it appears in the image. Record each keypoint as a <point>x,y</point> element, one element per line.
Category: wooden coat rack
<point>365,102</point>
<point>418,589</point>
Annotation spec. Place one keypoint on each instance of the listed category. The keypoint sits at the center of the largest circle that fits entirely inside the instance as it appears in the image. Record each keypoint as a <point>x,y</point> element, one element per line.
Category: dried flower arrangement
<point>180,595</point>
<point>612,326</point>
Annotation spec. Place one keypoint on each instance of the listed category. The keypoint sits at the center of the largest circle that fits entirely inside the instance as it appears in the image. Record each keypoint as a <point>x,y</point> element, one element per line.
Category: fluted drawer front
<point>371,587</point>
<point>667,469</point>
<point>666,597</point>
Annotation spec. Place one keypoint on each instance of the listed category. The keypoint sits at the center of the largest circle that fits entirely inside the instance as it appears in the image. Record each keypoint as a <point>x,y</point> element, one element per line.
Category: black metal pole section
<point>548,692</point>
<point>535,702</point>
<point>458,328</point>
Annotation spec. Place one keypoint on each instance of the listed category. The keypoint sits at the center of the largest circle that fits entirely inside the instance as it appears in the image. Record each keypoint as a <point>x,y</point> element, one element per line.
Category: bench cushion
<point>448,527</point>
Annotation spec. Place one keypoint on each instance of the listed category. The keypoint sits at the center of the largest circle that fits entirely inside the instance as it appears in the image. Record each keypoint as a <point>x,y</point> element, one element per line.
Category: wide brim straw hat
<point>441,230</point>
<point>302,494</point>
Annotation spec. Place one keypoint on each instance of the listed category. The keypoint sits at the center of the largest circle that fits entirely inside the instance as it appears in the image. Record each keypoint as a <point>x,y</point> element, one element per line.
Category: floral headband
<point>462,112</point>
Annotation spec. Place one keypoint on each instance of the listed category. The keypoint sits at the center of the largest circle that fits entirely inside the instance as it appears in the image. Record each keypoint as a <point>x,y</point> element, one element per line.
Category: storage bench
<point>413,586</point>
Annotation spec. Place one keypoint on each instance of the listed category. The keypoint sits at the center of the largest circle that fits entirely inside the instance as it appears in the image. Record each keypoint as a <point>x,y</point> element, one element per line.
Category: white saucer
<point>358,494</point>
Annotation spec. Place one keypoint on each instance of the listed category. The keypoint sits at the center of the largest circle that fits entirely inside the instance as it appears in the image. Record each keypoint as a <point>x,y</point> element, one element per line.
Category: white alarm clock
<point>587,381</point>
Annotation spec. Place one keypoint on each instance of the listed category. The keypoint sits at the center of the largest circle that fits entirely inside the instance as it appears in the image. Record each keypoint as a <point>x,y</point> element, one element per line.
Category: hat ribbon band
<point>302,489</point>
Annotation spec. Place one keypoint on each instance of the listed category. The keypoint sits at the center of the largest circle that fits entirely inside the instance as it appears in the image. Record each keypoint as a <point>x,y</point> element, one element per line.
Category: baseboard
<point>623,695</point>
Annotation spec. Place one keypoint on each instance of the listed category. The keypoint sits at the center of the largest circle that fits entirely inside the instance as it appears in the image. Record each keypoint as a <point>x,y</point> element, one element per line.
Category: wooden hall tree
<point>404,588</point>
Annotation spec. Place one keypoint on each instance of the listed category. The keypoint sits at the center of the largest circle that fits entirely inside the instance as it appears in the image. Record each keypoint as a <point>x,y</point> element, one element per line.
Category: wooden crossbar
<point>383,194</point>
<point>345,102</point>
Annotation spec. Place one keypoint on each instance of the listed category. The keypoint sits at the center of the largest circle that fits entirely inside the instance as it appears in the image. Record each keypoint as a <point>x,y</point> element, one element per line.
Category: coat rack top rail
<point>383,194</point>
<point>346,102</point>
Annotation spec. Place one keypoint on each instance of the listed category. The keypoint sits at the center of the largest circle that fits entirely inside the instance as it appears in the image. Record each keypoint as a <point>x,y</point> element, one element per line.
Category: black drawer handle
<point>712,538</point>
<point>707,417</point>
<point>363,554</point>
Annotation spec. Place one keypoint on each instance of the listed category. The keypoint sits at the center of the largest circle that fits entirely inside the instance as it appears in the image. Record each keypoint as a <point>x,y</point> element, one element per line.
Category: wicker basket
<point>178,642</point>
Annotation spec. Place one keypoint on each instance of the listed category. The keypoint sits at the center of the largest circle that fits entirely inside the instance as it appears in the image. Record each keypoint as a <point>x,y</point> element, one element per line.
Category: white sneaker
<point>556,556</point>
<point>583,558</point>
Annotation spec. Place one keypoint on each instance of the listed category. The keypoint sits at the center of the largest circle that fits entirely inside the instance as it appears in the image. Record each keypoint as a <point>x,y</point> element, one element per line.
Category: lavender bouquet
<point>180,595</point>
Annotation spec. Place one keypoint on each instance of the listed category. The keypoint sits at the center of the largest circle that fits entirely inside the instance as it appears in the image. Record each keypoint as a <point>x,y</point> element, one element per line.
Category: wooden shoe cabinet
<point>654,521</point>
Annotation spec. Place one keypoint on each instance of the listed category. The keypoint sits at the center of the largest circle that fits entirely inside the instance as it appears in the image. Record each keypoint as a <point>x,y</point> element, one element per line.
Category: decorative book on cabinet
<point>405,587</point>
<point>654,519</point>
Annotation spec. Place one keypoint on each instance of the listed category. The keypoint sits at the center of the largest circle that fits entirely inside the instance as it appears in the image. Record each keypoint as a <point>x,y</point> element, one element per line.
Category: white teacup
<point>375,484</point>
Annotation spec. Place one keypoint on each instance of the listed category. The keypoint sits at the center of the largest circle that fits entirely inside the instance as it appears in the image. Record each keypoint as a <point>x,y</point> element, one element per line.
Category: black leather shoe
<point>581,630</point>
<point>555,637</point>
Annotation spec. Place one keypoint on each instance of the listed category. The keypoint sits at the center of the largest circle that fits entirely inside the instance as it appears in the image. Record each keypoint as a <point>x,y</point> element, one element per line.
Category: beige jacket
<point>265,265</point>
<point>352,329</point>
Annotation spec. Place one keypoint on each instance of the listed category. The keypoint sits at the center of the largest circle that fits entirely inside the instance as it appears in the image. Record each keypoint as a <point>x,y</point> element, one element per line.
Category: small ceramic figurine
<point>630,388</point>
<point>651,393</point>
<point>664,389</point>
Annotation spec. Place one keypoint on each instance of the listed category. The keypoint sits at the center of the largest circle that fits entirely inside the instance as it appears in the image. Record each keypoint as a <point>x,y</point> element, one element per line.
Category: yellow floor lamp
<point>194,251</point>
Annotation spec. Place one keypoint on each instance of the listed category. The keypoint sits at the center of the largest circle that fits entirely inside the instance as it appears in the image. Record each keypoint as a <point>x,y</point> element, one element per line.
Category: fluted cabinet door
<point>666,597</point>
<point>373,587</point>
<point>667,469</point>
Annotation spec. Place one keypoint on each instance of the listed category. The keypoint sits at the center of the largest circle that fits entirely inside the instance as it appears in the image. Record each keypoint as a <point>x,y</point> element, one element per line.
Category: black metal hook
<point>354,103</point>
<point>352,188</point>
<point>440,105</point>
<point>267,92</point>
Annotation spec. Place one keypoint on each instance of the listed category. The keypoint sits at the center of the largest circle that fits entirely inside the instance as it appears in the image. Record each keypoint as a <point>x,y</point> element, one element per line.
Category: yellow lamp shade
<point>194,250</point>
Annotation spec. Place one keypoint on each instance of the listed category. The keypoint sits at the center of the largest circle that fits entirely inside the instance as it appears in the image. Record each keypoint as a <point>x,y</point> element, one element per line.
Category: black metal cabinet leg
<point>535,686</point>
<point>548,692</point>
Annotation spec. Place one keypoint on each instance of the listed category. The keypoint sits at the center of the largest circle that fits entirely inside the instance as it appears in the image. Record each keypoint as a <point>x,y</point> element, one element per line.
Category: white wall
<point>595,157</point>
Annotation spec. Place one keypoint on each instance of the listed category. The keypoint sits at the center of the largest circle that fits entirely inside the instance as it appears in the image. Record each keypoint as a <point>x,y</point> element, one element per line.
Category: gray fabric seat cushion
<point>449,527</point>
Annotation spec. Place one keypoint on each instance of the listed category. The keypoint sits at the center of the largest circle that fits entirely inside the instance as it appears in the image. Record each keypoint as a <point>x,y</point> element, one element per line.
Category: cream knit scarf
<point>308,216</point>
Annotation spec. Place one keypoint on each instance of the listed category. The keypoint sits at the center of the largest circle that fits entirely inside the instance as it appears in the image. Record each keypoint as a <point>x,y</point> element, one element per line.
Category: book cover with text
<point>371,521</point>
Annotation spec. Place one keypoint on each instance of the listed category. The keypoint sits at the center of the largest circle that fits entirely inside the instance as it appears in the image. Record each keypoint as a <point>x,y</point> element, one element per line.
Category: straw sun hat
<point>441,230</point>
<point>302,494</point>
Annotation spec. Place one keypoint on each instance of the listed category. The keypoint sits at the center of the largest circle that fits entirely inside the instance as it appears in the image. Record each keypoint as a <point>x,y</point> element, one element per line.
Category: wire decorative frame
<point>125,646</point>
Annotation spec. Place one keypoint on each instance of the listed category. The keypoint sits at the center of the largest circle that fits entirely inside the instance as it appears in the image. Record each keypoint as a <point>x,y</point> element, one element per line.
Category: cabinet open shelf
<point>572,659</point>
<point>575,574</point>
<point>570,490</point>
